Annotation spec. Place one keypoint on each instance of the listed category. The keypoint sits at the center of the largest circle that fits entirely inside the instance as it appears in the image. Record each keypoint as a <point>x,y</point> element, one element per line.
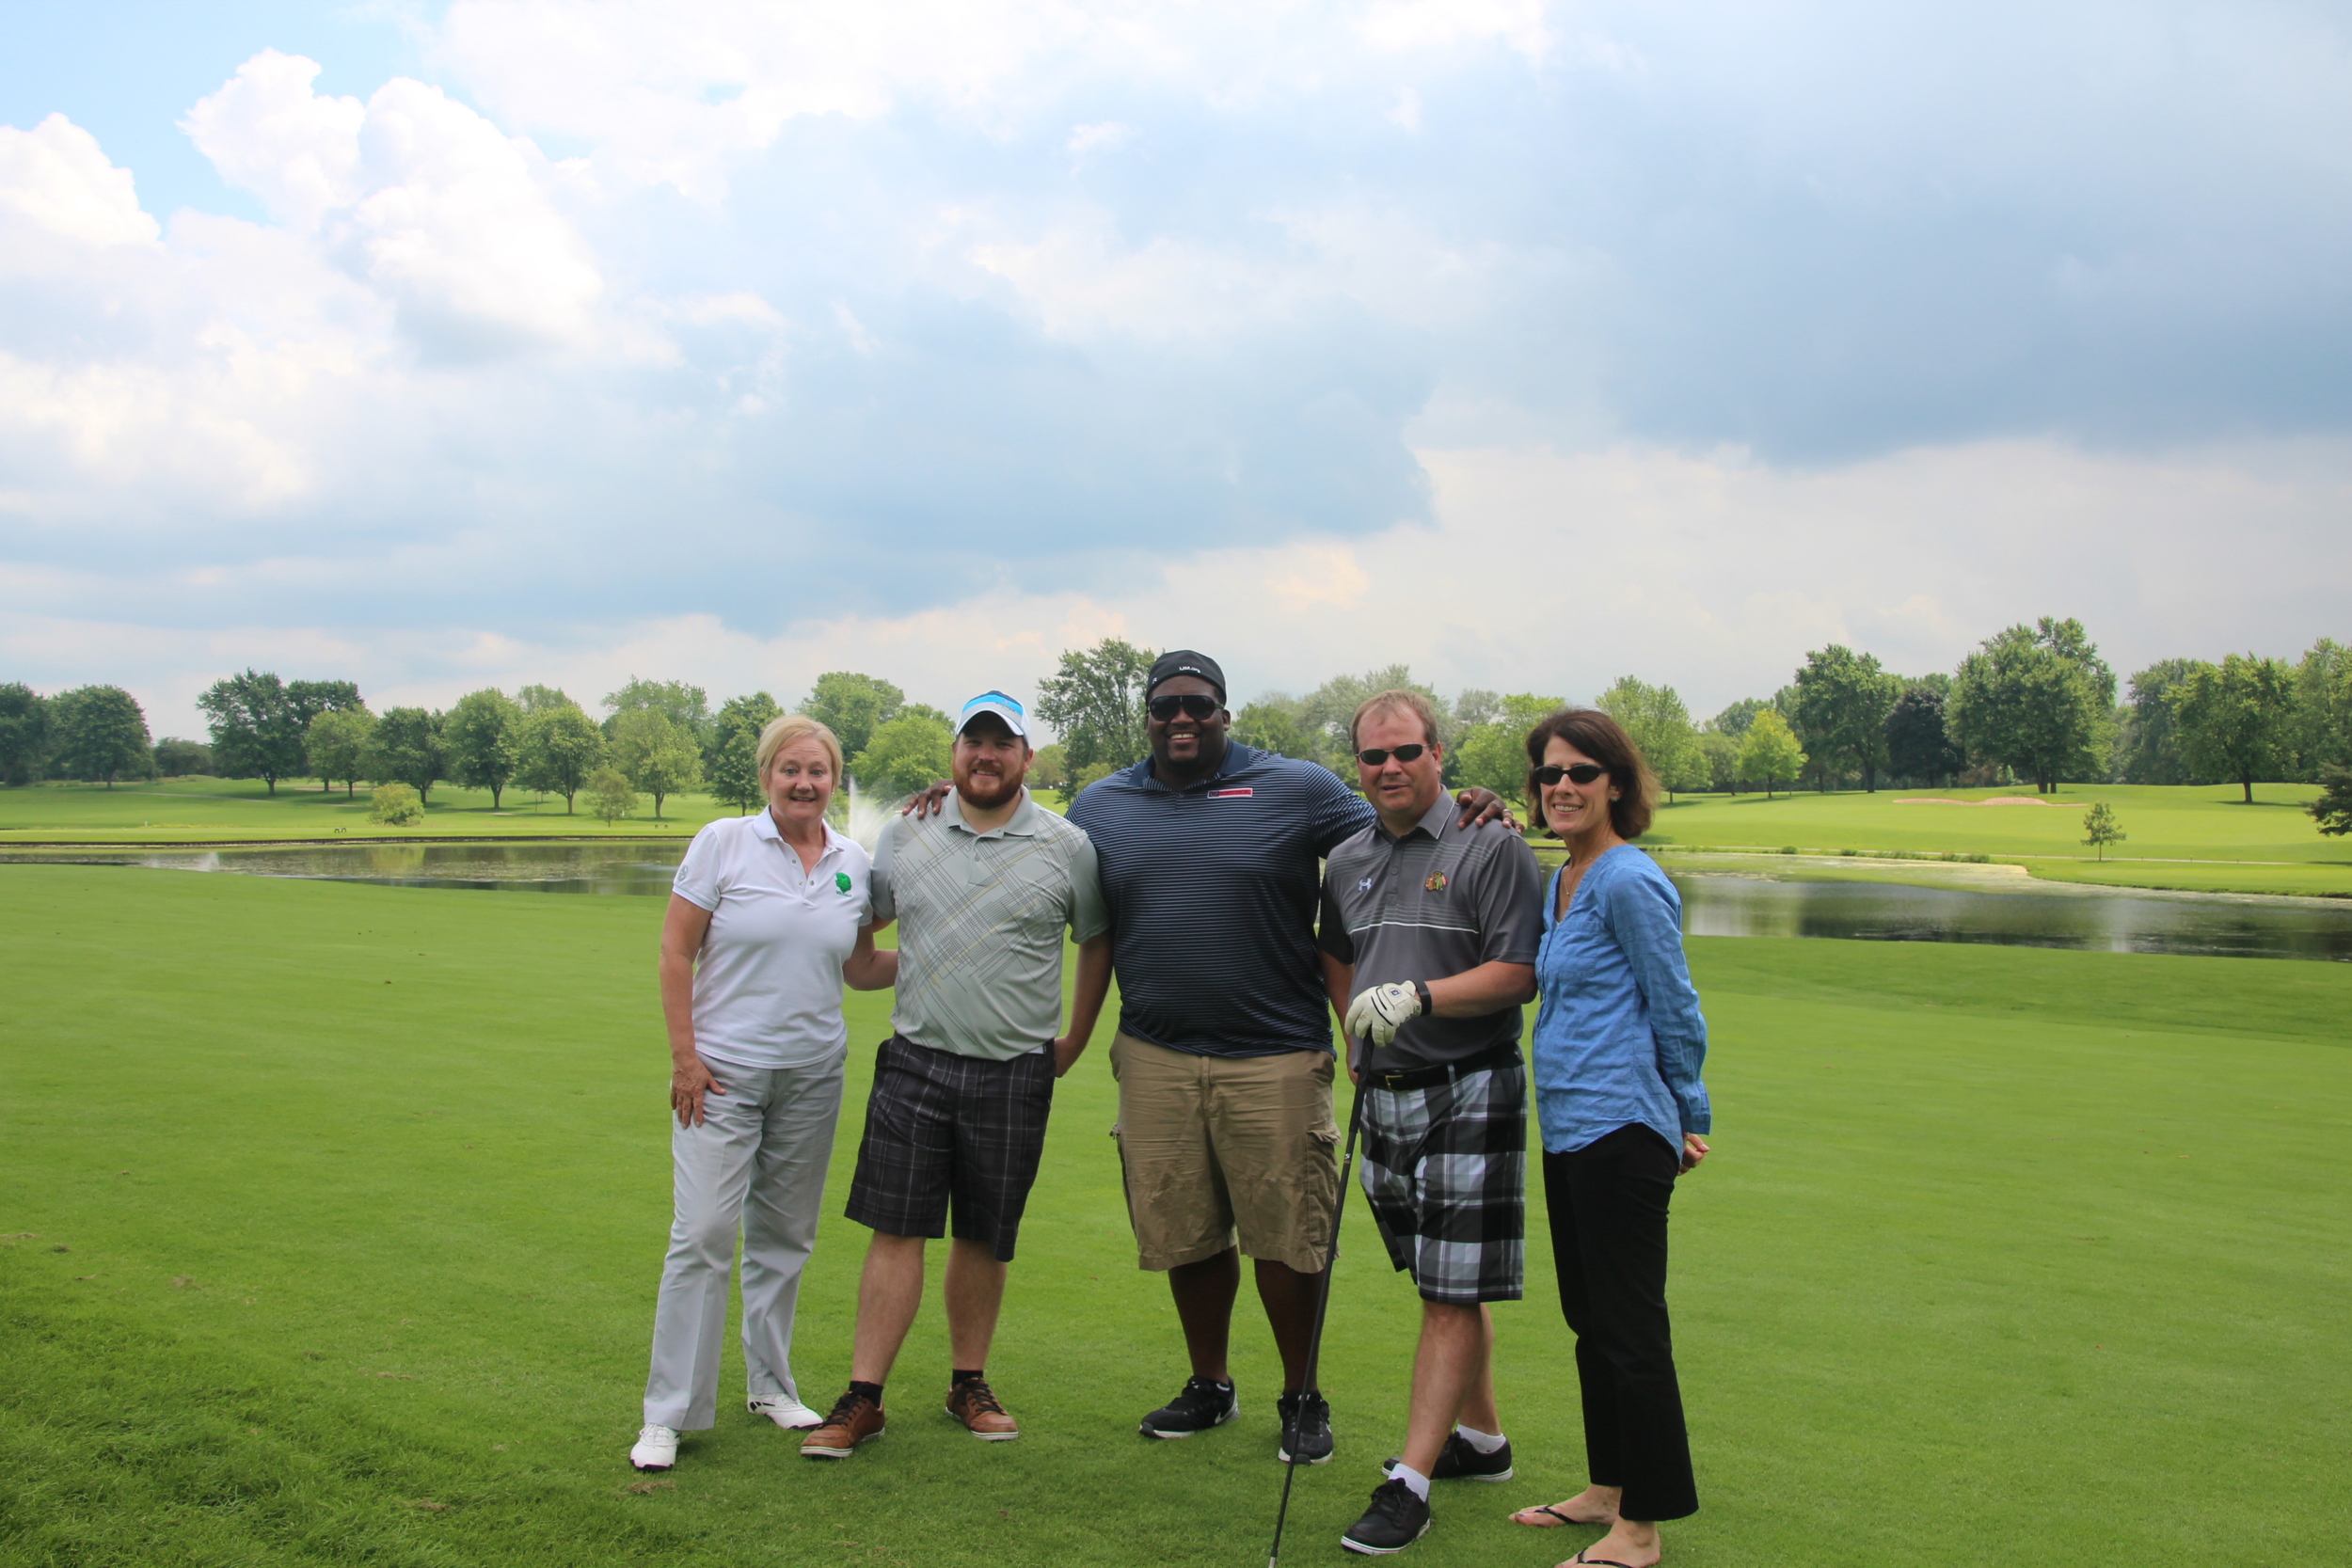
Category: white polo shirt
<point>768,985</point>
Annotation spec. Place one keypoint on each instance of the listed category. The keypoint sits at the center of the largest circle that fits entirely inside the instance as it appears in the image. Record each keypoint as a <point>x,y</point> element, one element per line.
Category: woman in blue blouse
<point>1617,1047</point>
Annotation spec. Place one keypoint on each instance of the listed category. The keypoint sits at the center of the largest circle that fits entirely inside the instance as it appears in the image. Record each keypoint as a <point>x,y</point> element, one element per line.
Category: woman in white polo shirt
<point>768,916</point>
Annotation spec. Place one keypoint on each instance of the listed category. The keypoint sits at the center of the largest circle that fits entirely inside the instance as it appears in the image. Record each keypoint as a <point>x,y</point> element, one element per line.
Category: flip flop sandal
<point>1595,1561</point>
<point>1563,1518</point>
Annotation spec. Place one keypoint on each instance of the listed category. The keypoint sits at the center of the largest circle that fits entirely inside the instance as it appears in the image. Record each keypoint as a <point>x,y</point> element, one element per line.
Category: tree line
<point>2033,704</point>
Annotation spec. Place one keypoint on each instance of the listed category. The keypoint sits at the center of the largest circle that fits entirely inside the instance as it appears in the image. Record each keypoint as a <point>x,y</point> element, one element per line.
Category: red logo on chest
<point>1228,793</point>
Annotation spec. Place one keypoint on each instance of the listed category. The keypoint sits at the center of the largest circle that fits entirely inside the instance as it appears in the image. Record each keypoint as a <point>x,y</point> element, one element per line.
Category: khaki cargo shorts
<point>1216,1147</point>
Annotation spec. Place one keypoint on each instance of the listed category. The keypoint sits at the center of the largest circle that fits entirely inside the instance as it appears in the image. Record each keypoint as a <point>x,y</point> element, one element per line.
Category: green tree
<point>735,750</point>
<point>484,740</point>
<point>1721,753</point>
<point>1659,724</point>
<point>2332,811</point>
<point>660,757</point>
<point>176,758</point>
<point>560,747</point>
<point>1326,713</point>
<point>2036,700</point>
<point>610,795</point>
<point>1048,768</point>
<point>1770,750</point>
<point>256,732</point>
<point>409,748</point>
<point>2232,718</point>
<point>101,734</point>
<point>1094,702</point>
<point>396,804</point>
<point>904,756</point>
<point>340,744</point>
<point>2147,746</point>
<point>1918,743</point>
<point>25,724</point>
<point>2101,828</point>
<point>1493,754</point>
<point>685,706</point>
<point>1735,720</point>
<point>1845,698</point>
<point>538,698</point>
<point>1273,727</point>
<point>307,700</point>
<point>853,706</point>
<point>2322,708</point>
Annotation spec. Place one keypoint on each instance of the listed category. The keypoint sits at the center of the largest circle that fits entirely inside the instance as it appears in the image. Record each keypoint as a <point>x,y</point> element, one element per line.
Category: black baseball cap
<point>1183,661</point>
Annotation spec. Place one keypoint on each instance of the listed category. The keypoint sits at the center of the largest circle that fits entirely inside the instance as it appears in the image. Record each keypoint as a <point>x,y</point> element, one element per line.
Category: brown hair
<point>1603,739</point>
<point>1399,697</point>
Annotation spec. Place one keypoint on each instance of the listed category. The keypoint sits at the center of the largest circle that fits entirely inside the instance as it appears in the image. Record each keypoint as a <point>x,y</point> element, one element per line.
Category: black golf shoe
<point>1306,1428</point>
<point>1201,1406</point>
<point>1395,1520</point>
<point>1458,1460</point>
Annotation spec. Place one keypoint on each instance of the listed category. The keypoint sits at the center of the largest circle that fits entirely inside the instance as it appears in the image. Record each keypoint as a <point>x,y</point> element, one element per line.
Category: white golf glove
<point>1379,1012</point>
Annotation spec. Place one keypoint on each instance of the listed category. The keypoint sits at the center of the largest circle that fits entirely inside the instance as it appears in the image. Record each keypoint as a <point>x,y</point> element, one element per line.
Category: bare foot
<point>1594,1505</point>
<point>1628,1545</point>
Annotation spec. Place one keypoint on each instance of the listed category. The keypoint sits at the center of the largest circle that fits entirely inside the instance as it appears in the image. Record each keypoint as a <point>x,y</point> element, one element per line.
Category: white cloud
<point>429,202</point>
<point>56,182</point>
<point>1421,24</point>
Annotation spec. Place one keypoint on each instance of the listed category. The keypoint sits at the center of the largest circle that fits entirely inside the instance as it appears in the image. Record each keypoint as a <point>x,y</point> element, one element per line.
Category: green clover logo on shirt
<point>841,881</point>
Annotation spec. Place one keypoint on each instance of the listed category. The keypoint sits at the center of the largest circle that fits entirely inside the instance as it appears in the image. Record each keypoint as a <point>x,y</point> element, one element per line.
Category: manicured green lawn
<point>195,810</point>
<point>2005,1253</point>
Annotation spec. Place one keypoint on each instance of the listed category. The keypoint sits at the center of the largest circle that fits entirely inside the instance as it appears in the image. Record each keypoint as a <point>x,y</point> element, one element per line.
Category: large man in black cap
<point>1209,852</point>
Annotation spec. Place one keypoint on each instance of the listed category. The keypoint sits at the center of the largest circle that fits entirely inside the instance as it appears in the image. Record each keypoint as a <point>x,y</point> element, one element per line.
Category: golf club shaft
<point>1323,1305</point>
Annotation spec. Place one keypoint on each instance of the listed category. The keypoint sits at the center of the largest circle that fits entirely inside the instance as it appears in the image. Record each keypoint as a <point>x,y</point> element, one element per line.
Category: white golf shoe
<point>792,1415</point>
<point>656,1449</point>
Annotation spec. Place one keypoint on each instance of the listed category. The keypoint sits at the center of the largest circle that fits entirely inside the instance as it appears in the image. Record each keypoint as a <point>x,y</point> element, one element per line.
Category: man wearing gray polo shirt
<point>956,1120</point>
<point>1432,929</point>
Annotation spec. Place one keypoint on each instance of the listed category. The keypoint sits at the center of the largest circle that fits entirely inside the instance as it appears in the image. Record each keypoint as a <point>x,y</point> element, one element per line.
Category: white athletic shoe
<point>656,1449</point>
<point>792,1415</point>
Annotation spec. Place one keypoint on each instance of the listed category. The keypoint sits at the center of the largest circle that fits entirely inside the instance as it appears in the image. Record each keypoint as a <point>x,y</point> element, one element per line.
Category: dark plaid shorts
<point>1445,1166</point>
<point>944,1130</point>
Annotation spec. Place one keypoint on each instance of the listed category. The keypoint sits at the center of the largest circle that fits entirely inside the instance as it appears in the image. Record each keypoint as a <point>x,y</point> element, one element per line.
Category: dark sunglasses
<point>1374,756</point>
<point>1194,706</point>
<point>1583,773</point>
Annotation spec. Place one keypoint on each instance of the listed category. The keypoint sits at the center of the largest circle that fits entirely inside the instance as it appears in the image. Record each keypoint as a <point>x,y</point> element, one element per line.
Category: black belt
<point>1505,1054</point>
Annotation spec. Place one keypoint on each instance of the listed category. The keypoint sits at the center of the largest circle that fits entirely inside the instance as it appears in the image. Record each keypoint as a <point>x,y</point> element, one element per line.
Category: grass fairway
<point>217,811</point>
<point>332,1218</point>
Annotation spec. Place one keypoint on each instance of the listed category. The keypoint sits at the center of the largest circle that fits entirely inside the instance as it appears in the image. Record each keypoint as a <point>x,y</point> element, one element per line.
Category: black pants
<point>1608,1202</point>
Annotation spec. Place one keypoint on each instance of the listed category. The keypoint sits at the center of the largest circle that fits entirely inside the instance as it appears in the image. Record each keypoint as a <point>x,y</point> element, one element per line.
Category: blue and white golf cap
<point>1001,705</point>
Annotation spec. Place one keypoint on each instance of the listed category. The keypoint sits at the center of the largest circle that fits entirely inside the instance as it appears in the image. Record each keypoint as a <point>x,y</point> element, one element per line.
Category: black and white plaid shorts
<point>1445,1166</point>
<point>944,1130</point>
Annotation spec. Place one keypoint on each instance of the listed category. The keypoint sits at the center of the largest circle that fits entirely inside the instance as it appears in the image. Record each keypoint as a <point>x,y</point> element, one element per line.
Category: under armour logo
<point>1364,886</point>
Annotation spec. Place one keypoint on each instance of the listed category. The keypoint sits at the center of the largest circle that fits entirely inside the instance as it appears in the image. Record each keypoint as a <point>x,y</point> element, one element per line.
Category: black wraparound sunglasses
<point>1194,705</point>
<point>1374,756</point>
<point>1583,773</point>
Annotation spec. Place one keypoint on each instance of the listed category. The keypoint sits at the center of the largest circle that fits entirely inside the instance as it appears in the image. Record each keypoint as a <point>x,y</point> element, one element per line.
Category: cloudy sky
<point>501,340</point>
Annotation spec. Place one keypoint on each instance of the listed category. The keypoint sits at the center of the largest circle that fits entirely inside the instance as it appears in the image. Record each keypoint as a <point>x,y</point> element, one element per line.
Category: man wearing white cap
<point>956,1120</point>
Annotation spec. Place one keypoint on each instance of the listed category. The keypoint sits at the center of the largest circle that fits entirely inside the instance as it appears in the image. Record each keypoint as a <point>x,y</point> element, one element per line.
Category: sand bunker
<point>1990,800</point>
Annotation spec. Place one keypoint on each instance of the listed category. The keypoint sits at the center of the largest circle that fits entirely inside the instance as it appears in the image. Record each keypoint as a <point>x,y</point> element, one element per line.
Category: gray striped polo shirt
<point>981,918</point>
<point>1440,901</point>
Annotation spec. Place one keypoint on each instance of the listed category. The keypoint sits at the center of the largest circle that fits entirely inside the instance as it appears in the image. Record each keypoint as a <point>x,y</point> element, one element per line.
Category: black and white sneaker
<point>1306,1428</point>
<point>1395,1520</point>
<point>1459,1460</point>
<point>1201,1406</point>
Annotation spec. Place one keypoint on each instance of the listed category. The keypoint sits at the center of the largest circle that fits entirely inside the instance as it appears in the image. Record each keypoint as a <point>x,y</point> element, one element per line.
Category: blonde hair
<point>1398,698</point>
<point>783,731</point>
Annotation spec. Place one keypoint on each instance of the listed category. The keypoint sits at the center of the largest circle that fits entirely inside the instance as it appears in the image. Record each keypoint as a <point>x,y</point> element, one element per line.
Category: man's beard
<point>987,791</point>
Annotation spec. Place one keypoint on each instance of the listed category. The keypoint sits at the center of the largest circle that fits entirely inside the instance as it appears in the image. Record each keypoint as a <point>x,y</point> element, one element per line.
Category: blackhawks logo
<point>1436,882</point>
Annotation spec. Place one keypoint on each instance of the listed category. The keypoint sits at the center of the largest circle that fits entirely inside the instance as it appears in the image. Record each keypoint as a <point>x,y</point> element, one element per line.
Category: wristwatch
<point>1420,989</point>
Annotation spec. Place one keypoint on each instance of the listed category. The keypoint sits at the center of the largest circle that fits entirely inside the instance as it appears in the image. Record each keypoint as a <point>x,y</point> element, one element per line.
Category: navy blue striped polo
<point>1213,892</point>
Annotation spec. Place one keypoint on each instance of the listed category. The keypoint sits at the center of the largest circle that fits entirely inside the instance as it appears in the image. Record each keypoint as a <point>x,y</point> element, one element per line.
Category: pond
<point>2033,915</point>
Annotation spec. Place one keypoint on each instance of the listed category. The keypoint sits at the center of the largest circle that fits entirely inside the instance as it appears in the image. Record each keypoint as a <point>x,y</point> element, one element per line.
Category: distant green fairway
<point>2005,1253</point>
<point>182,811</point>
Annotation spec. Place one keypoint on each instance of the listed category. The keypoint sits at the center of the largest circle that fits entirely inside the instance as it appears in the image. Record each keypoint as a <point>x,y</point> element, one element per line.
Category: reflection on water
<point>2052,915</point>
<point>2121,922</point>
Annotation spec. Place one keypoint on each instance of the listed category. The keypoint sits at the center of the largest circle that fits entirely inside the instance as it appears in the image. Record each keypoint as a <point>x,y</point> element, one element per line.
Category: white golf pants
<point>756,1164</point>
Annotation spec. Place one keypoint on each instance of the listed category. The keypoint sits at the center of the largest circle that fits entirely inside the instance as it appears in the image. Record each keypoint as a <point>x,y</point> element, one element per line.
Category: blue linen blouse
<point>1618,1036</point>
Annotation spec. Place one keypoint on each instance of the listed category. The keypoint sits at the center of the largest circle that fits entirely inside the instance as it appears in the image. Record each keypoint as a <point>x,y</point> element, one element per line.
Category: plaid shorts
<point>944,1130</point>
<point>1445,1167</point>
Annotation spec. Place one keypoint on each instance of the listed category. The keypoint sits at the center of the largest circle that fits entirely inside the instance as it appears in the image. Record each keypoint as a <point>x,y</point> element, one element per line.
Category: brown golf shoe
<point>975,1404</point>
<point>855,1419</point>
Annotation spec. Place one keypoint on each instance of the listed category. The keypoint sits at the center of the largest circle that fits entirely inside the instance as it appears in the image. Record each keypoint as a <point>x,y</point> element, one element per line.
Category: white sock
<point>1485,1442</point>
<point>1412,1477</point>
